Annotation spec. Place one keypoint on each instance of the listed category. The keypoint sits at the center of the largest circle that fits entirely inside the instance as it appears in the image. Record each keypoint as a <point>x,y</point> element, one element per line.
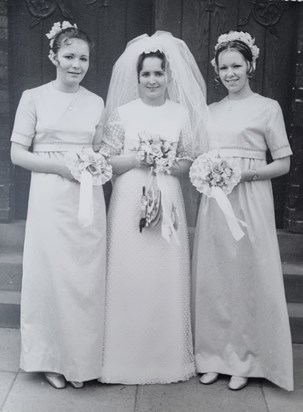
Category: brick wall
<point>294,208</point>
<point>5,164</point>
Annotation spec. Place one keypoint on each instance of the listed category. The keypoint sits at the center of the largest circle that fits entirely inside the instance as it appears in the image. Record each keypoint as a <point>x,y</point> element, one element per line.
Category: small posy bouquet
<point>156,204</point>
<point>216,177</point>
<point>90,169</point>
<point>157,152</point>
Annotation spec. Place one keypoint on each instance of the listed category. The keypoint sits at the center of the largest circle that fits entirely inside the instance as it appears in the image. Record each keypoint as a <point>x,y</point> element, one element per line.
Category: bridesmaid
<point>63,263</point>
<point>241,321</point>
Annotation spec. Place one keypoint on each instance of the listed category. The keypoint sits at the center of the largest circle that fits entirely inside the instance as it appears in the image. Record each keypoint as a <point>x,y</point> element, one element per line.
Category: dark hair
<point>238,46</point>
<point>143,56</point>
<point>70,33</point>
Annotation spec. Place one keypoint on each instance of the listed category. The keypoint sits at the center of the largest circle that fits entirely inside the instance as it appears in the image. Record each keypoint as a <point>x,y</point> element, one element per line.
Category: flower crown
<point>56,29</point>
<point>242,36</point>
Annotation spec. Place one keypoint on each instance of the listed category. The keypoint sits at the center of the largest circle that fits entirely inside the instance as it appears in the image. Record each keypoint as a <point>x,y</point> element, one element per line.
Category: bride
<point>156,91</point>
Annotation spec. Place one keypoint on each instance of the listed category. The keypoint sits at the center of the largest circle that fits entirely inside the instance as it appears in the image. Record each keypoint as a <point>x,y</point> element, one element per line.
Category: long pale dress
<point>63,285</point>
<point>241,321</point>
<point>147,328</point>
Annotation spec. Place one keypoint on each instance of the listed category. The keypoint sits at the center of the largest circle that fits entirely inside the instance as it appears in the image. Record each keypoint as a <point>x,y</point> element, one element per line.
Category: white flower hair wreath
<point>56,29</point>
<point>242,36</point>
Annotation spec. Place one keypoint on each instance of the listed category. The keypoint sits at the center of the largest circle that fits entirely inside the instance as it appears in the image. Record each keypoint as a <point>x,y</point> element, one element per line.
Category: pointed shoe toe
<point>77,385</point>
<point>209,378</point>
<point>56,380</point>
<point>237,382</point>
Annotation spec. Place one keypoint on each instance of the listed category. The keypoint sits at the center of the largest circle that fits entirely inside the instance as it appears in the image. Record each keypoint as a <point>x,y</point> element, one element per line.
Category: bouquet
<point>157,152</point>
<point>210,170</point>
<point>216,177</point>
<point>92,162</point>
<point>156,205</point>
<point>90,169</point>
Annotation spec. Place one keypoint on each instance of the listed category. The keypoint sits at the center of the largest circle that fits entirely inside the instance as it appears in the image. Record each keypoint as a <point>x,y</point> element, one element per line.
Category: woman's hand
<point>138,163</point>
<point>123,163</point>
<point>64,172</point>
<point>180,167</point>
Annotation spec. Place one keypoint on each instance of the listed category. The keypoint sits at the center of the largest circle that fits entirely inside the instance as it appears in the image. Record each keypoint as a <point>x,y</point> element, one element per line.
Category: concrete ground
<point>28,392</point>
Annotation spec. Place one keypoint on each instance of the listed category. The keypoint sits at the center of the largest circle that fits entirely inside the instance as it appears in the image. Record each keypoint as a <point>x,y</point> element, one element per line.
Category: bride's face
<point>152,81</point>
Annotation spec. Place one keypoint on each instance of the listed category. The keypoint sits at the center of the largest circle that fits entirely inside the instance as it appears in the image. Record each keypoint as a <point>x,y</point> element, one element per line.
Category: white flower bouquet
<point>92,162</point>
<point>90,169</point>
<point>216,177</point>
<point>210,170</point>
<point>156,204</point>
<point>157,152</point>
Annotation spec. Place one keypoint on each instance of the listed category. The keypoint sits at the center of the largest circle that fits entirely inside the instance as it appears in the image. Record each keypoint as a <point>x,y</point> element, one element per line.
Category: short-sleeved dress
<point>147,328</point>
<point>241,320</point>
<point>63,285</point>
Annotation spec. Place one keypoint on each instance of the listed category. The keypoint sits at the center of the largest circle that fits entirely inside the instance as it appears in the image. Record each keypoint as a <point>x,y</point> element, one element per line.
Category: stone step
<point>12,236</point>
<point>10,309</point>
<point>10,271</point>
<point>295,312</point>
<point>293,281</point>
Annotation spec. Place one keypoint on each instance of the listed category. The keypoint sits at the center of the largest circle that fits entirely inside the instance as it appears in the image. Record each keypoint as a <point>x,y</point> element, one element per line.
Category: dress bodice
<point>52,120</point>
<point>127,123</point>
<point>249,127</point>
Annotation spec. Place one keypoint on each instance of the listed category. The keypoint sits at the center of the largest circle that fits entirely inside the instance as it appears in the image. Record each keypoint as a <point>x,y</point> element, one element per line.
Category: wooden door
<point>274,26</point>
<point>110,23</point>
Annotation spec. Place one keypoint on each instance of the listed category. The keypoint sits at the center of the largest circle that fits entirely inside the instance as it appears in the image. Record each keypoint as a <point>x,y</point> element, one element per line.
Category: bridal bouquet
<point>156,204</point>
<point>90,169</point>
<point>157,152</point>
<point>216,177</point>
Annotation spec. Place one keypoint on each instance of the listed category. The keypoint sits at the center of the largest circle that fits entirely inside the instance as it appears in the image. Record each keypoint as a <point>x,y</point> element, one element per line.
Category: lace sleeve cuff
<point>113,138</point>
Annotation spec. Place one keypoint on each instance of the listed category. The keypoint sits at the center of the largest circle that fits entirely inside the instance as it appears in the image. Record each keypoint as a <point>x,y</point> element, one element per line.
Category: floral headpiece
<point>56,29</point>
<point>242,36</point>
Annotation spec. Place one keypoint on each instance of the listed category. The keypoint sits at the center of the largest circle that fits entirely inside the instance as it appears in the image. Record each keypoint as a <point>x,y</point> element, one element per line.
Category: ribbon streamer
<point>167,227</point>
<point>226,207</point>
<point>86,201</point>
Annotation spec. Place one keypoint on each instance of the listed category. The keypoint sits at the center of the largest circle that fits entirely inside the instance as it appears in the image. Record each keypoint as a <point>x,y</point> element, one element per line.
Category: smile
<point>232,81</point>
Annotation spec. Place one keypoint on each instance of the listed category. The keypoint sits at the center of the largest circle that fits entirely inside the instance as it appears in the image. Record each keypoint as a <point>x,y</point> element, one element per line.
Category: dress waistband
<point>59,147</point>
<point>241,152</point>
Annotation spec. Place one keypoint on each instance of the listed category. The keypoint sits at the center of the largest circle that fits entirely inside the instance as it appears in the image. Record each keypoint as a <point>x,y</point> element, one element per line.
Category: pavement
<point>28,392</point>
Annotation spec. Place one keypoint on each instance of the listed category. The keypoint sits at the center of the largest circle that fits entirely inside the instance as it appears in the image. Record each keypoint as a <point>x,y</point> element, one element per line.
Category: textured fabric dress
<point>63,285</point>
<point>241,321</point>
<point>147,328</point>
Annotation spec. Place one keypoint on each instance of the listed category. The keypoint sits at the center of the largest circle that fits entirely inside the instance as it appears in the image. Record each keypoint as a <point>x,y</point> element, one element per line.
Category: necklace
<point>70,97</point>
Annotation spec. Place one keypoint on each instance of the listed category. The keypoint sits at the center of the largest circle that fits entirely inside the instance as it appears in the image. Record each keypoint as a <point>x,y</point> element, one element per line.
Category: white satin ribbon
<point>226,207</point>
<point>86,201</point>
<point>167,227</point>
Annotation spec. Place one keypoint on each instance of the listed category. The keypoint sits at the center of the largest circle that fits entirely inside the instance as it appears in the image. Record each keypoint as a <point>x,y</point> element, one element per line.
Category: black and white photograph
<point>151,205</point>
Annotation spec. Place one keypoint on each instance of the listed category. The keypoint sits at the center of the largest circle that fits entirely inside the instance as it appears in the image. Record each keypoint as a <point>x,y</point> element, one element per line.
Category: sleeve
<point>99,129</point>
<point>25,120</point>
<point>276,137</point>
<point>184,148</point>
<point>113,136</point>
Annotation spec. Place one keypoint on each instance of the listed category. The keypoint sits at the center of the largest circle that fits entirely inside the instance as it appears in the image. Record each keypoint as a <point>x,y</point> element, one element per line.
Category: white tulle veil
<point>185,82</point>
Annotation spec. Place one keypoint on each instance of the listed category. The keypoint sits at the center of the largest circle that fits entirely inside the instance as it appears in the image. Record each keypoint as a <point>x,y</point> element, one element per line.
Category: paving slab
<point>283,401</point>
<point>6,382</point>
<point>30,393</point>
<point>9,350</point>
<point>192,396</point>
<point>298,367</point>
